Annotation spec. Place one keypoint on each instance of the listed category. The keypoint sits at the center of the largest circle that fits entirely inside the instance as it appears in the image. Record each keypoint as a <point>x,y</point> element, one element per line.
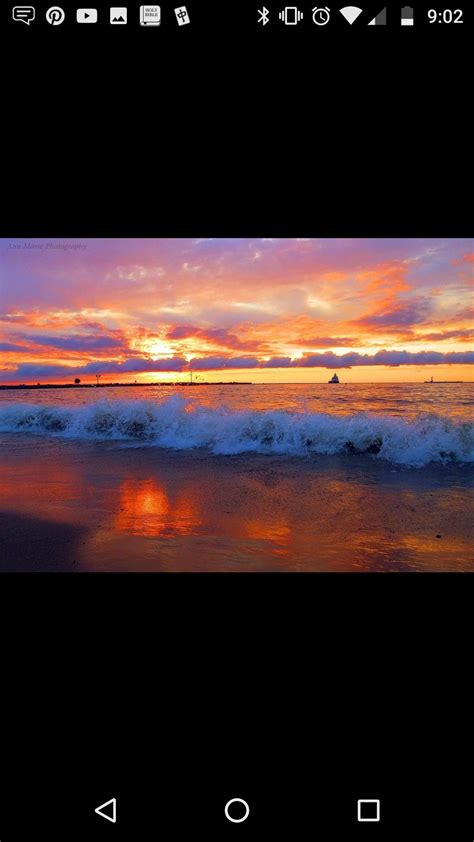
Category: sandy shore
<point>86,506</point>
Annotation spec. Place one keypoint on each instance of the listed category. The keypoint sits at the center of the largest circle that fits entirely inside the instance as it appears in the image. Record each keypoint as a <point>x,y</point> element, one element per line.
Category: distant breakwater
<point>122,385</point>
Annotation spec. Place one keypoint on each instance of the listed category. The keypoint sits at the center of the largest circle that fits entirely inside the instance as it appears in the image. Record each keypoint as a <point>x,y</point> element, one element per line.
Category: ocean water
<point>406,424</point>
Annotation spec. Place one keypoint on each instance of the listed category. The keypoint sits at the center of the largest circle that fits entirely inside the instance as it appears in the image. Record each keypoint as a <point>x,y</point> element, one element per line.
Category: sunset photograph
<point>236,405</point>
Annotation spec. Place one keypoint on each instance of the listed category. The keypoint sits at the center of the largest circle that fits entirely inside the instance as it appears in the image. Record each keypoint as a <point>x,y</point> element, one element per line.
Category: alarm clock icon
<point>320,15</point>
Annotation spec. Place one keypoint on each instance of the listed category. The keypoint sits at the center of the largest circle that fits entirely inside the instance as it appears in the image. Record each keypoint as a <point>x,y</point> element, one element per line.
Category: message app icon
<point>23,14</point>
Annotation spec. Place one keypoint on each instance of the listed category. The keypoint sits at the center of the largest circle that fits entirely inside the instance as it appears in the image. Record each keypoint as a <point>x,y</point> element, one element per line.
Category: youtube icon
<point>86,16</point>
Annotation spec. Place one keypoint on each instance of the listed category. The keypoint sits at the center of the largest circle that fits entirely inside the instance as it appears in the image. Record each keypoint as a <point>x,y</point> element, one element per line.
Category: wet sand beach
<point>92,506</point>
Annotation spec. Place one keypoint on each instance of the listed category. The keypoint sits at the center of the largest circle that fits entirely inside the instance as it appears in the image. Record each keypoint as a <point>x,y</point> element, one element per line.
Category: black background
<point>176,692</point>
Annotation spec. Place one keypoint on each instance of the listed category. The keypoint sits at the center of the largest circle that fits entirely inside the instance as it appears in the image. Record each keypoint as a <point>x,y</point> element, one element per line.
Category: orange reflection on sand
<point>146,509</point>
<point>277,533</point>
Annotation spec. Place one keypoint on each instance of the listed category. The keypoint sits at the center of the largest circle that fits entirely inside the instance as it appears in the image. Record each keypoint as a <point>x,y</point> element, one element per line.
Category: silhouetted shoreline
<point>127,385</point>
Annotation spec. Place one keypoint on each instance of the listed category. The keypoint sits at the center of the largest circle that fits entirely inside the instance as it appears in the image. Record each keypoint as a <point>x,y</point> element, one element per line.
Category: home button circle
<point>237,810</point>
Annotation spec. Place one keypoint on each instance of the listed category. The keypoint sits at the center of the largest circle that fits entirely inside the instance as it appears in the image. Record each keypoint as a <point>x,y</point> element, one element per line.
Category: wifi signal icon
<point>351,13</point>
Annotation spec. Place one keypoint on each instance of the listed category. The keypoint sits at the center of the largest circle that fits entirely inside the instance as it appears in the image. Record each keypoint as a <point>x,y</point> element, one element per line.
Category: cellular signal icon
<point>291,15</point>
<point>351,13</point>
<point>380,19</point>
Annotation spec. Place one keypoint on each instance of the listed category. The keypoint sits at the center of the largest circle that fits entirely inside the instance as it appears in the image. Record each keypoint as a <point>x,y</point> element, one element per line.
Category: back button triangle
<point>108,810</point>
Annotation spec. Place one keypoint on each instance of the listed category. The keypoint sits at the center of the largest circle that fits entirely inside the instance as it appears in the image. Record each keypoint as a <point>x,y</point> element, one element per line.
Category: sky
<point>265,310</point>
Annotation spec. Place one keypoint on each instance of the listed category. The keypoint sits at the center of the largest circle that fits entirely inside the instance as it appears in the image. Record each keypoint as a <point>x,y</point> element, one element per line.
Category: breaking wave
<point>177,423</point>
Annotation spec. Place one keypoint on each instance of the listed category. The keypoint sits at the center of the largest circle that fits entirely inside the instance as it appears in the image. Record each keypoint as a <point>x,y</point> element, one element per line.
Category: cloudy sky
<point>235,309</point>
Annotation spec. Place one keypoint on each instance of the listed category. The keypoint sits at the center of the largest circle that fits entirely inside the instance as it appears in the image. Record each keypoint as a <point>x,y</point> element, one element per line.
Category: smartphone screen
<point>236,422</point>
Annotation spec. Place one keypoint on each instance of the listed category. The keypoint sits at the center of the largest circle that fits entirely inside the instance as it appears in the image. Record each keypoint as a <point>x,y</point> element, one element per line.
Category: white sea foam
<point>177,423</point>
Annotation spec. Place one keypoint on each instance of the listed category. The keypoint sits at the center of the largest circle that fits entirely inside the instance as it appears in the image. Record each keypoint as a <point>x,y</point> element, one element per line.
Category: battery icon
<point>407,16</point>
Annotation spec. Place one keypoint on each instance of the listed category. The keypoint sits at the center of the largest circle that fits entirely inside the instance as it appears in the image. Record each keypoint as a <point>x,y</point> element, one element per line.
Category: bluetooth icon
<point>264,13</point>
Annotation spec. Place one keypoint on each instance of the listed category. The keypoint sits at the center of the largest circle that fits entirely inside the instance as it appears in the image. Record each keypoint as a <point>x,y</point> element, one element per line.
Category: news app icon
<point>23,14</point>
<point>86,15</point>
<point>150,15</point>
<point>407,16</point>
<point>118,15</point>
<point>55,15</point>
<point>290,15</point>
<point>182,15</point>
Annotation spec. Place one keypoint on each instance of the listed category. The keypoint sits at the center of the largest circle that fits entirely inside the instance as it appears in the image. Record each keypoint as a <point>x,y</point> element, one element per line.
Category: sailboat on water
<point>334,379</point>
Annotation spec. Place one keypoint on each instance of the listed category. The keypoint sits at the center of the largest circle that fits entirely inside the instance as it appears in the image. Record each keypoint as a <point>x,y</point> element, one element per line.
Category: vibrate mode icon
<point>291,15</point>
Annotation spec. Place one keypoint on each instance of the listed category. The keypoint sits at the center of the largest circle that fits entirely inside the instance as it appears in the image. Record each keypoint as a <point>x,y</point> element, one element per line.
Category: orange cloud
<point>123,303</point>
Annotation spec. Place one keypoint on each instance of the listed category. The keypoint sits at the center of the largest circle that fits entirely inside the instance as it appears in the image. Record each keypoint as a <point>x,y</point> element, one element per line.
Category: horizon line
<point>222,382</point>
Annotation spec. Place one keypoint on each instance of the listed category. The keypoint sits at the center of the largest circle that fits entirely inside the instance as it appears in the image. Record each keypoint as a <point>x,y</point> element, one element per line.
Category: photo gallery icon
<point>118,15</point>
